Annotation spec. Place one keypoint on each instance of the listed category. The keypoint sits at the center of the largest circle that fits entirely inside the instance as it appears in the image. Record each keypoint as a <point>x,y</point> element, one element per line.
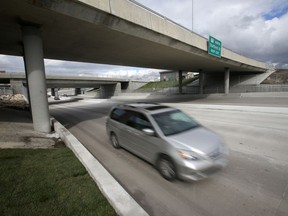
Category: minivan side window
<point>138,121</point>
<point>118,114</point>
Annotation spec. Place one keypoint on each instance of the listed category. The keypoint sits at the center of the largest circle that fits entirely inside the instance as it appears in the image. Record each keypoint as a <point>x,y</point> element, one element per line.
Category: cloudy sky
<point>254,28</point>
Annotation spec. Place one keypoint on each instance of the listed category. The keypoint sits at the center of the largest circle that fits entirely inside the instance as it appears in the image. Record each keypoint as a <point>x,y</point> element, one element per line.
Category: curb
<point>119,199</point>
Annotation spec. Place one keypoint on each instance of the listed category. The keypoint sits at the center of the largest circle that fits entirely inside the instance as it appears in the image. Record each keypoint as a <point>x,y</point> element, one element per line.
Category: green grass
<point>166,84</point>
<point>47,182</point>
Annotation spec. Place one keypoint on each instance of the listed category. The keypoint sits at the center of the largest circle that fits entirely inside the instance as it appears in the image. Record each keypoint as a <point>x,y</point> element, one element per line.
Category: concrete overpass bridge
<point>119,32</point>
<point>108,86</point>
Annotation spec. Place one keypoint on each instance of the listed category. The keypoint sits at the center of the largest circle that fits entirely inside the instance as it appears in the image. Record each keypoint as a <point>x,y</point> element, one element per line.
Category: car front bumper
<point>197,170</point>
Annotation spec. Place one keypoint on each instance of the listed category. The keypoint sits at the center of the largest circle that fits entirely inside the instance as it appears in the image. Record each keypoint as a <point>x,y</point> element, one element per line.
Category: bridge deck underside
<point>76,32</point>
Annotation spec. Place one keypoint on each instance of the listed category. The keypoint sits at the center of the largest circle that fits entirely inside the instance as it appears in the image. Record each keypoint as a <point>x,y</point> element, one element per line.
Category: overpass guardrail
<point>216,90</point>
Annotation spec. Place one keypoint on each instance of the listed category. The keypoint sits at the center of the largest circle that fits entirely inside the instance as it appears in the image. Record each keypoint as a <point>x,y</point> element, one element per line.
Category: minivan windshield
<point>174,122</point>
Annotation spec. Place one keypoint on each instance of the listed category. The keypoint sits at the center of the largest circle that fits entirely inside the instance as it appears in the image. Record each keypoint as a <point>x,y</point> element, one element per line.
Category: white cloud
<point>4,60</point>
<point>11,63</point>
<point>53,63</point>
<point>137,74</point>
<point>243,28</point>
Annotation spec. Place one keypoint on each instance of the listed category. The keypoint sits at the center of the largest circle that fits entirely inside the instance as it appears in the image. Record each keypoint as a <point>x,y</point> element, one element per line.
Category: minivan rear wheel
<point>167,168</point>
<point>114,141</point>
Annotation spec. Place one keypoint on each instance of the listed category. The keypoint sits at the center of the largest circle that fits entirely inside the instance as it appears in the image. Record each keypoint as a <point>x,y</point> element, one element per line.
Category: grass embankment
<point>47,182</point>
<point>166,84</point>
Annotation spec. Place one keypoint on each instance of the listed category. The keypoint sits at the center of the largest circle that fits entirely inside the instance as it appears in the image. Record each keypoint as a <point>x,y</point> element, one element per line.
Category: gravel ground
<point>16,131</point>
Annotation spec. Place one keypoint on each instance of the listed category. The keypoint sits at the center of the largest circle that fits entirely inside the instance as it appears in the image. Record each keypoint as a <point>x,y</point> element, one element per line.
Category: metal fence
<point>259,88</point>
<point>6,91</point>
<point>217,90</point>
<point>185,90</point>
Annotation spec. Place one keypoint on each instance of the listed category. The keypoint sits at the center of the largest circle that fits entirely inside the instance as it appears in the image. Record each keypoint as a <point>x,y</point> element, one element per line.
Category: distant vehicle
<point>177,145</point>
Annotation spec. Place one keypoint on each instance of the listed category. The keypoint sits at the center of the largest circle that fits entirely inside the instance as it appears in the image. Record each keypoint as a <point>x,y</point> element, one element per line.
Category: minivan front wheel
<point>167,168</point>
<point>114,141</point>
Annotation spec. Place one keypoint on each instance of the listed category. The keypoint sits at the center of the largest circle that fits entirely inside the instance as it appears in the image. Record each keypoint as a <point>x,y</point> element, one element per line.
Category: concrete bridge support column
<point>56,96</point>
<point>35,70</point>
<point>52,91</point>
<point>77,91</point>
<point>227,80</point>
<point>180,81</point>
<point>17,86</point>
<point>126,86</point>
<point>201,82</point>
<point>109,90</point>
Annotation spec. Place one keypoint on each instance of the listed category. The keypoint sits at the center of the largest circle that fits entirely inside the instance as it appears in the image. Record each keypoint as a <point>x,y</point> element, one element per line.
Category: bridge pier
<point>53,92</point>
<point>201,81</point>
<point>77,91</point>
<point>180,81</point>
<point>17,86</point>
<point>227,80</point>
<point>35,70</point>
<point>109,90</point>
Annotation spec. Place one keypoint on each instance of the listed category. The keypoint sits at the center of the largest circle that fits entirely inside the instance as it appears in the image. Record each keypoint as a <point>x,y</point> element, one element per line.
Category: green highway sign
<point>214,47</point>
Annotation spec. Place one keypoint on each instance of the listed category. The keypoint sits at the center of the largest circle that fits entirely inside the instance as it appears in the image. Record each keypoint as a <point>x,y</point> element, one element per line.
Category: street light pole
<point>192,13</point>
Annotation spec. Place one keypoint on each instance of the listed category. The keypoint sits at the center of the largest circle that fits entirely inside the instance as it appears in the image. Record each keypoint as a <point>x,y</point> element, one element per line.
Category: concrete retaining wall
<point>133,85</point>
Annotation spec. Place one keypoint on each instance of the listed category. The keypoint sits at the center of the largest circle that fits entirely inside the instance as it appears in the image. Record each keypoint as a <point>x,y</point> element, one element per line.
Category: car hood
<point>199,140</point>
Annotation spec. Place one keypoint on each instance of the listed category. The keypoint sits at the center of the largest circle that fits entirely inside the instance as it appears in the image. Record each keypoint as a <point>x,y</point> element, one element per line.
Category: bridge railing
<point>6,91</point>
<point>164,17</point>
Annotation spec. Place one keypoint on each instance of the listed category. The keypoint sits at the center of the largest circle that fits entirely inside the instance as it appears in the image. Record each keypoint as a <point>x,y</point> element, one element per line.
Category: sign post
<point>214,47</point>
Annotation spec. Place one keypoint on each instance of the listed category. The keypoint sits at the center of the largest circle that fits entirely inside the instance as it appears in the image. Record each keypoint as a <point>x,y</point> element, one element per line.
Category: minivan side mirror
<point>148,131</point>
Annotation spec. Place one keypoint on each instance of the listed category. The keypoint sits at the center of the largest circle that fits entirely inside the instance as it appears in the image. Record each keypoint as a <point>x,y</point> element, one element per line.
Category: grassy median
<point>47,182</point>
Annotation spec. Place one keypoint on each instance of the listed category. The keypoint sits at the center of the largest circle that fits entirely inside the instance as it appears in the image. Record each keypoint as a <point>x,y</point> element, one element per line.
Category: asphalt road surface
<point>254,183</point>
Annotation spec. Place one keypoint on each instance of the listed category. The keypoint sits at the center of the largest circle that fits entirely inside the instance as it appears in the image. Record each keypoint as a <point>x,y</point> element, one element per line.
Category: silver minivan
<point>177,145</point>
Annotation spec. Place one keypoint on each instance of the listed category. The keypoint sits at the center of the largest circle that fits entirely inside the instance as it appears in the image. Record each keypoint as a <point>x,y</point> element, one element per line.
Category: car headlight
<point>187,155</point>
